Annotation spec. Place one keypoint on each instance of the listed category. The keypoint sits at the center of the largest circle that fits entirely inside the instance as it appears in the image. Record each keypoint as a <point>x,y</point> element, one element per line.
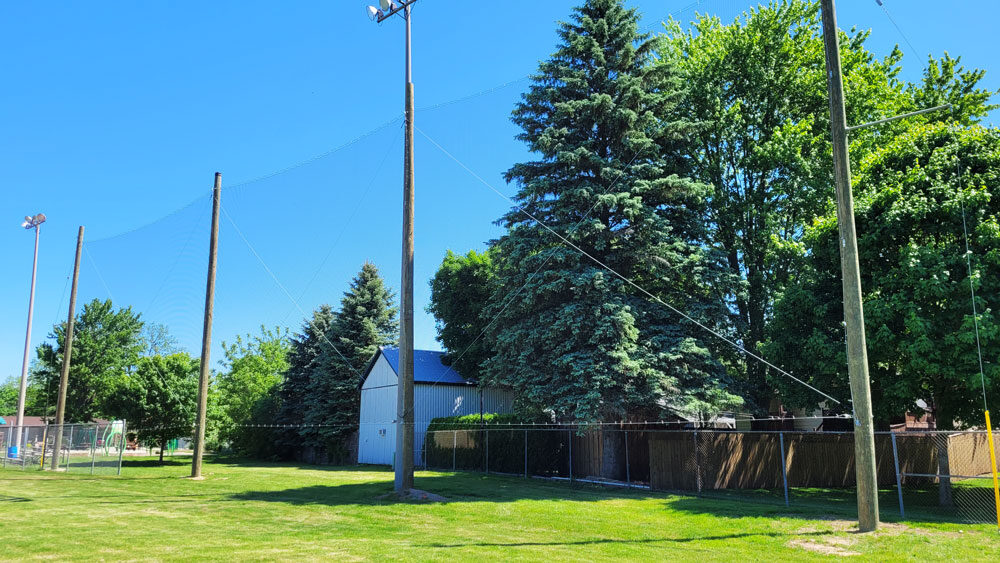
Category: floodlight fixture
<point>374,13</point>
<point>32,222</point>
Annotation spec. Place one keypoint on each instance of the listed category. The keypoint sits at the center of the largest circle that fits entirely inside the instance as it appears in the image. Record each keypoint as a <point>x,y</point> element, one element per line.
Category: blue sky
<point>115,115</point>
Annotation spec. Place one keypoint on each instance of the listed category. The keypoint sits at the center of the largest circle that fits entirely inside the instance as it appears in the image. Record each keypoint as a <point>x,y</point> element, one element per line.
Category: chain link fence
<point>92,448</point>
<point>922,475</point>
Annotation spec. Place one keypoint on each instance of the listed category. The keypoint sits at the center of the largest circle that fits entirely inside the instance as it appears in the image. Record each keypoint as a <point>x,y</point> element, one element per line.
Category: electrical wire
<point>972,287</point>
<point>899,29</point>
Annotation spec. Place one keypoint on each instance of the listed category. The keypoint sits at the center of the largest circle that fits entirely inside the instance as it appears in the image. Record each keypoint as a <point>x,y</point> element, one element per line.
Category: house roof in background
<point>427,367</point>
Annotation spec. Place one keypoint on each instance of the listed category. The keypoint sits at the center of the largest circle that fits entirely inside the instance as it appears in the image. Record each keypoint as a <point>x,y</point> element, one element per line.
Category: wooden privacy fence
<point>718,459</point>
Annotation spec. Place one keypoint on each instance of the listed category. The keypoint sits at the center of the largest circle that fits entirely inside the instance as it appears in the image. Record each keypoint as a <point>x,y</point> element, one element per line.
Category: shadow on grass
<point>147,463</point>
<point>458,487</point>
<point>602,541</point>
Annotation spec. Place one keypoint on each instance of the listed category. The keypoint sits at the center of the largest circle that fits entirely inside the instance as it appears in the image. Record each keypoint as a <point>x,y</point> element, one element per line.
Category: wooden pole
<point>206,335</point>
<point>67,352</point>
<point>404,393</point>
<point>857,354</point>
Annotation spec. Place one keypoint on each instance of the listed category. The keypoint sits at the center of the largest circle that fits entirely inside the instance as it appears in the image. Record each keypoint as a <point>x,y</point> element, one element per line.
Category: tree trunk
<point>163,446</point>
<point>613,454</point>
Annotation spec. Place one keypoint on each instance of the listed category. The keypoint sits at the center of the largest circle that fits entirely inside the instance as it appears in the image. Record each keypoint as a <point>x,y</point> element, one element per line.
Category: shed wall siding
<point>377,433</point>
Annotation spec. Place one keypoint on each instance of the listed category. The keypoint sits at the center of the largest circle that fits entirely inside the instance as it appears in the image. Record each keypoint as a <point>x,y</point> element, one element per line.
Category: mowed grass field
<point>250,510</point>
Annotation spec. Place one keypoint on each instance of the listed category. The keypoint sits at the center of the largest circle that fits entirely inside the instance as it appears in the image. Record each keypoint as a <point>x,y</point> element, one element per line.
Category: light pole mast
<point>29,223</point>
<point>403,465</point>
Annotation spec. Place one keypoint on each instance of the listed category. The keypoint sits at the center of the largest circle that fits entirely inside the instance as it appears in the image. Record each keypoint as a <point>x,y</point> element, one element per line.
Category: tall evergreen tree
<point>367,319</point>
<point>305,357</point>
<point>576,339</point>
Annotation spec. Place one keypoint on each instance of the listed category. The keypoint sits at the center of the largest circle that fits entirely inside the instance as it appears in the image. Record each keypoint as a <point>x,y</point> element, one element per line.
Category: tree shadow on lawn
<point>457,487</point>
<point>601,541</point>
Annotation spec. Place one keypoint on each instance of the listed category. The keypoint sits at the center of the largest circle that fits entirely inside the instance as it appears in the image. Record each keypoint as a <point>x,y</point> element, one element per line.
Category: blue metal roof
<point>427,367</point>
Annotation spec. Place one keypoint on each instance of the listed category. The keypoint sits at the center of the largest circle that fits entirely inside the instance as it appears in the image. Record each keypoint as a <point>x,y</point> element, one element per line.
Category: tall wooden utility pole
<point>206,335</point>
<point>854,317</point>
<point>404,393</point>
<point>67,354</point>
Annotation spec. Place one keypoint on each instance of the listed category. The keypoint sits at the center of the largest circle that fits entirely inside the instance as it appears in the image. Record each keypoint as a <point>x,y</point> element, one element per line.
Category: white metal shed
<point>438,391</point>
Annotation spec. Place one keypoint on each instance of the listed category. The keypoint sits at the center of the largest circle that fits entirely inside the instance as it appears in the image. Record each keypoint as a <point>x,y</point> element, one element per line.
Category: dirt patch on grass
<point>844,536</point>
<point>414,495</point>
<point>822,548</point>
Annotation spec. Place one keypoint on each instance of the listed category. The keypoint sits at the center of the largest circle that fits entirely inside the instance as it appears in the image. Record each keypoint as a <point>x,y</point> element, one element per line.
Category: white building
<point>438,391</point>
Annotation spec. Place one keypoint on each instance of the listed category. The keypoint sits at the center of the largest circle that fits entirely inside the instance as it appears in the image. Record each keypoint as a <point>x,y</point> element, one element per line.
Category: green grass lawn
<point>281,511</point>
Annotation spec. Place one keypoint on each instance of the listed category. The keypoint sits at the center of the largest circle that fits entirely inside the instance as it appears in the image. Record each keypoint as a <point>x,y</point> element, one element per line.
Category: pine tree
<point>305,356</point>
<point>367,319</point>
<point>577,339</point>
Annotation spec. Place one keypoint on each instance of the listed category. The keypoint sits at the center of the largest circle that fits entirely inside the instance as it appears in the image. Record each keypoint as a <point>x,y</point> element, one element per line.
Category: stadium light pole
<point>403,465</point>
<point>29,223</point>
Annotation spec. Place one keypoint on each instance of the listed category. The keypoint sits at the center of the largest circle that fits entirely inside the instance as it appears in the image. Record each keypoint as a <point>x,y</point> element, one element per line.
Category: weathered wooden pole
<point>857,353</point>
<point>404,393</point>
<point>67,353</point>
<point>206,335</point>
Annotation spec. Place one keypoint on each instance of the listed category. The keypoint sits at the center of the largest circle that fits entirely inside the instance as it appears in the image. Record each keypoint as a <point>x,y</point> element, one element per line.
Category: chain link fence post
<point>571,455</point>
<point>899,482</point>
<point>784,464</point>
<point>628,471</point>
<point>454,449</point>
<point>525,453</point>
<point>487,431</point>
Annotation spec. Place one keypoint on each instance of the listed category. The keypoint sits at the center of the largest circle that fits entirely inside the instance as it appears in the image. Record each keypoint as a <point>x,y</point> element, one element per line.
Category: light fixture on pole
<point>403,465</point>
<point>29,223</point>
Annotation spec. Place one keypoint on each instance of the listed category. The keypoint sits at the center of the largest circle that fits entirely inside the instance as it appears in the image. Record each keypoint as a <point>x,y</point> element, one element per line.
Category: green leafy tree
<point>107,343</point>
<point>918,314</point>
<point>8,397</point>
<point>305,356</point>
<point>570,336</point>
<point>367,319</point>
<point>159,399</point>
<point>247,388</point>
<point>459,292</point>
<point>757,91</point>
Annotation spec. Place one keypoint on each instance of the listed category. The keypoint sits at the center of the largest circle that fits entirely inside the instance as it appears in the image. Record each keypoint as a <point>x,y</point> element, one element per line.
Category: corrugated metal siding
<point>377,433</point>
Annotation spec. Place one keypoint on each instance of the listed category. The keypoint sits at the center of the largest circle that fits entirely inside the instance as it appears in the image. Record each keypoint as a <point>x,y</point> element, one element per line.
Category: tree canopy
<point>107,344</point>
<point>159,398</point>
<point>918,311</point>
<point>460,290</point>
<point>756,91</point>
